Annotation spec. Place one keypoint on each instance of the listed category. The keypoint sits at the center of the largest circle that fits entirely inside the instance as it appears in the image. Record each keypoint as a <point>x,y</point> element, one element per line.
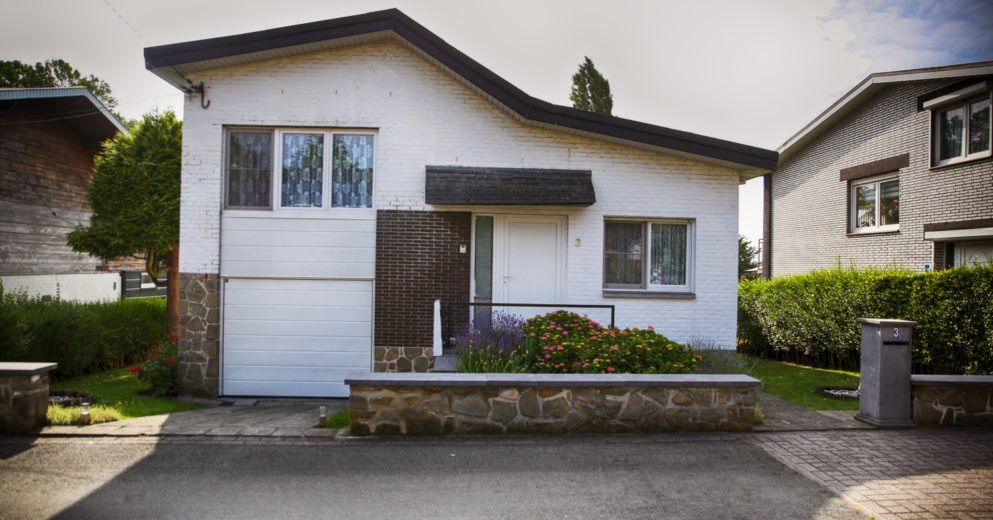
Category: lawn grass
<point>119,389</point>
<point>796,383</point>
<point>59,415</point>
<point>338,419</point>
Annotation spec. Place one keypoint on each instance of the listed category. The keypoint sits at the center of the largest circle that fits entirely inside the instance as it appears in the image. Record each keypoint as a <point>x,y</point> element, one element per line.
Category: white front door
<point>969,254</point>
<point>529,264</point>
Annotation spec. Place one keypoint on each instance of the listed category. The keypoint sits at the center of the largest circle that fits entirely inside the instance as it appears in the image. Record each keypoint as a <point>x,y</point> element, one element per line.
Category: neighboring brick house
<point>896,172</point>
<point>347,173</point>
<point>48,139</point>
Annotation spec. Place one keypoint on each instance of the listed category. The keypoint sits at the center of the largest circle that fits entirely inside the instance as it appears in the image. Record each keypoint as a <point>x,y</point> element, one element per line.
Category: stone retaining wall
<point>952,400</point>
<point>23,397</point>
<point>441,404</point>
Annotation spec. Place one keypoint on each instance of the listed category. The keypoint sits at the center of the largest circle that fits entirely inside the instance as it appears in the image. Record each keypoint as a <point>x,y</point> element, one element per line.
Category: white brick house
<point>299,266</point>
<point>896,172</point>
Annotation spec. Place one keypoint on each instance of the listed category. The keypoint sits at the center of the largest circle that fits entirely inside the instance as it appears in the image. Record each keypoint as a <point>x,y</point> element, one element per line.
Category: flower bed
<point>565,342</point>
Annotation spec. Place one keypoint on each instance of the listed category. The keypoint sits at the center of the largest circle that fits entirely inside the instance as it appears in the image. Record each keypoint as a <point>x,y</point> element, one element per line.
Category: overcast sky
<point>747,71</point>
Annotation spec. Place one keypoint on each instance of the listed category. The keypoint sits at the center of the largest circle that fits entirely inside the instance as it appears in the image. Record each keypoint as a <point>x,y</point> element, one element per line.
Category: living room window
<point>303,172</point>
<point>960,125</point>
<point>875,204</point>
<point>653,255</point>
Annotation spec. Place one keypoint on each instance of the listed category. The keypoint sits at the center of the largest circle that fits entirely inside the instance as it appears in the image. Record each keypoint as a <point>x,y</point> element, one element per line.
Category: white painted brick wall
<point>809,201</point>
<point>425,117</point>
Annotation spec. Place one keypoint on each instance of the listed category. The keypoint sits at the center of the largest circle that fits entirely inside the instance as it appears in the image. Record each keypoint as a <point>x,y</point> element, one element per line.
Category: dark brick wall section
<point>417,262</point>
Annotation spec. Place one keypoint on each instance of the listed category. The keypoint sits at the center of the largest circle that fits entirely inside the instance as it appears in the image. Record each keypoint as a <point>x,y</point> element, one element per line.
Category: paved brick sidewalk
<point>905,474</point>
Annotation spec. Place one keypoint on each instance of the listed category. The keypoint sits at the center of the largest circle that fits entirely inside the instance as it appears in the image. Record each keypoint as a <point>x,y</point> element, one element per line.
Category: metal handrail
<point>555,305</point>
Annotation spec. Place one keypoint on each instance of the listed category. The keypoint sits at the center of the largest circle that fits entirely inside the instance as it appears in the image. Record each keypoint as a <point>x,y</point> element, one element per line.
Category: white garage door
<point>295,338</point>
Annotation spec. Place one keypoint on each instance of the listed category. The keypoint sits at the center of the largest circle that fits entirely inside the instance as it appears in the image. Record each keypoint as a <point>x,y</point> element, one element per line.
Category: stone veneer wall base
<point>199,334</point>
<point>446,403</point>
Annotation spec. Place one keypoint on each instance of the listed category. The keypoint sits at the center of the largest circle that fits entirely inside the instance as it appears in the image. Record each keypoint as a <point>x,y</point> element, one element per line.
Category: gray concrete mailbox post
<point>885,391</point>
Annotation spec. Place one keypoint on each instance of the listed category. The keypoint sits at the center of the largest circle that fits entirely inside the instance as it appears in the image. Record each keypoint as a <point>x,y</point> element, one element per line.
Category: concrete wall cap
<point>945,380</point>
<point>8,368</point>
<point>550,380</point>
<point>883,322</point>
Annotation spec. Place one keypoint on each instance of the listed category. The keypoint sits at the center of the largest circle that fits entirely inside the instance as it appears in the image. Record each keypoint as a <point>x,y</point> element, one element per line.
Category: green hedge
<point>811,318</point>
<point>80,337</point>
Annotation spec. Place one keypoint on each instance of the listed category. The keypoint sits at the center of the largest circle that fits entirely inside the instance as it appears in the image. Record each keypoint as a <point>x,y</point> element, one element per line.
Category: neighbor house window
<point>961,129</point>
<point>875,204</point>
<point>307,174</point>
<point>649,255</point>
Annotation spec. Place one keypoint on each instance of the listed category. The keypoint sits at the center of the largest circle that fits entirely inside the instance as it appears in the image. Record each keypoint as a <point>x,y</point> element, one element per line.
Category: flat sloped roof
<point>174,62</point>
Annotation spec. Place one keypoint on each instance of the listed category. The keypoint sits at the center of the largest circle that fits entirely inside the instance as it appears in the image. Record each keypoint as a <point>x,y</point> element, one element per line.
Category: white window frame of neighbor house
<point>276,166</point>
<point>967,100</point>
<point>645,284</point>
<point>876,183</point>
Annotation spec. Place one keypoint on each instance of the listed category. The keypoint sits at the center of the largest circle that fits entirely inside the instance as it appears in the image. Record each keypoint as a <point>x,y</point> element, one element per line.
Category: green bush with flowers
<point>159,368</point>
<point>566,342</point>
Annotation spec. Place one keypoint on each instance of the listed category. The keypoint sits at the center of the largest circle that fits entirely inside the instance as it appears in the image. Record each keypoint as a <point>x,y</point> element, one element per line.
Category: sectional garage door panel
<point>295,337</point>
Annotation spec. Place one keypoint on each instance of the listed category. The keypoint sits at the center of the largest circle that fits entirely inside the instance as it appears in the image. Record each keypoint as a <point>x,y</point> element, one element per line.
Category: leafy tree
<point>590,90</point>
<point>53,73</point>
<point>746,255</point>
<point>134,194</point>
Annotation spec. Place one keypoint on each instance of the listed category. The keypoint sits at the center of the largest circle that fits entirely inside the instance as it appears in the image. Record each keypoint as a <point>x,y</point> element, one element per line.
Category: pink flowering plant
<point>566,342</point>
<point>159,367</point>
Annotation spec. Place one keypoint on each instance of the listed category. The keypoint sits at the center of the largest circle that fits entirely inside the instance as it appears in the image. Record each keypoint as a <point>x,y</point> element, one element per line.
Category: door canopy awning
<point>502,186</point>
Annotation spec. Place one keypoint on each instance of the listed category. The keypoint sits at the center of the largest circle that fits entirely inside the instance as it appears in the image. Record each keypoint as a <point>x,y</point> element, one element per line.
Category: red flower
<point>169,361</point>
<point>149,356</point>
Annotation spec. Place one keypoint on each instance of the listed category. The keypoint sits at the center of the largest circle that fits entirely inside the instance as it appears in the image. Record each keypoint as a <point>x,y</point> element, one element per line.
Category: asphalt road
<point>696,477</point>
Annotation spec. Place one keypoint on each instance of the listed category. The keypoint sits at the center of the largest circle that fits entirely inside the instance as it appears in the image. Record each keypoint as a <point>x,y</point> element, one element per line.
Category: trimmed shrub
<point>80,337</point>
<point>810,318</point>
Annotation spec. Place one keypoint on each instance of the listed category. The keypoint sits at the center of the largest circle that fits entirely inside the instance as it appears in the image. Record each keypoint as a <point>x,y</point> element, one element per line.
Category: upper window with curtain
<point>647,255</point>
<point>249,169</point>
<point>307,173</point>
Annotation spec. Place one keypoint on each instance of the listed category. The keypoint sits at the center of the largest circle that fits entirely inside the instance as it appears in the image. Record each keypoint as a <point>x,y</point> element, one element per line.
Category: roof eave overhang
<point>866,89</point>
<point>173,62</point>
<point>99,125</point>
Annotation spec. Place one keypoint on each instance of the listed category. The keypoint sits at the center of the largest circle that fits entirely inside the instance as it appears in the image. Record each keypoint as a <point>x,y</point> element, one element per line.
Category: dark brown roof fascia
<point>923,98</point>
<point>962,224</point>
<point>500,89</point>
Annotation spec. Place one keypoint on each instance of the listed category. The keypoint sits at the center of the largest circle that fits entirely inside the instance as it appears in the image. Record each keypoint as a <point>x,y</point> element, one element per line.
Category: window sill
<point>961,161</point>
<point>316,213</point>
<point>875,232</point>
<point>659,295</point>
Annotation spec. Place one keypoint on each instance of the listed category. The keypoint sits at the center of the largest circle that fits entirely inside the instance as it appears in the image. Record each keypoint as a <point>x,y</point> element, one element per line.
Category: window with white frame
<point>654,255</point>
<point>960,125</point>
<point>307,175</point>
<point>875,204</point>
